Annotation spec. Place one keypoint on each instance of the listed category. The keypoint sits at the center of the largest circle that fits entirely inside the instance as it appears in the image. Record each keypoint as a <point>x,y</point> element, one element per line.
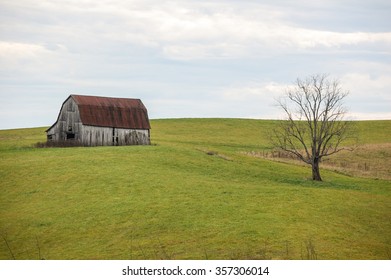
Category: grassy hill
<point>196,193</point>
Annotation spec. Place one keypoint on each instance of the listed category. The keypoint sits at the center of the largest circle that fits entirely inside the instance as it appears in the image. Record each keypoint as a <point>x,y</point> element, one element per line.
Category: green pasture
<point>195,193</point>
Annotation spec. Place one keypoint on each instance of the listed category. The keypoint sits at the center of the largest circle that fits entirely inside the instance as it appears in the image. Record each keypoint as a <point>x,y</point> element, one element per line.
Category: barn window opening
<point>70,128</point>
<point>70,107</point>
<point>50,136</point>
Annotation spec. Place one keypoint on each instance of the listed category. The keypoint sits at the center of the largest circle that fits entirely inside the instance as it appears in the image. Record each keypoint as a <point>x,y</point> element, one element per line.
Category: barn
<point>101,121</point>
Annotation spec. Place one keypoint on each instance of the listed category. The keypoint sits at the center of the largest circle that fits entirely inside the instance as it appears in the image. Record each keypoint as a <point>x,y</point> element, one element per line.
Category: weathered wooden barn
<point>101,121</point>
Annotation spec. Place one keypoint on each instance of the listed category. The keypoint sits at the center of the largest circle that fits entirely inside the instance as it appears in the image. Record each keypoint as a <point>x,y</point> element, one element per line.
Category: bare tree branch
<point>315,126</point>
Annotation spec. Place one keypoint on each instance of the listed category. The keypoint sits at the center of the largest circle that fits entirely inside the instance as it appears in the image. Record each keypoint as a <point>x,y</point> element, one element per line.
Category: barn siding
<point>96,136</point>
<point>132,136</point>
<point>108,136</point>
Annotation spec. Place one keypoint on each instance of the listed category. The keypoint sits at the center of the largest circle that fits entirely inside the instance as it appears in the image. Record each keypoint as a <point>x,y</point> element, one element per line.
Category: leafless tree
<point>314,127</point>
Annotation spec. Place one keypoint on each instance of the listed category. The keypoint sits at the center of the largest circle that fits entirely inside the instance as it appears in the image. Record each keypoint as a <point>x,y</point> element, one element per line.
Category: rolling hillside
<point>196,193</point>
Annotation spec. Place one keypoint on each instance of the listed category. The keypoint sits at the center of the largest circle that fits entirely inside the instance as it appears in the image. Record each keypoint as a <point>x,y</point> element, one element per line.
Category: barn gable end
<point>101,121</point>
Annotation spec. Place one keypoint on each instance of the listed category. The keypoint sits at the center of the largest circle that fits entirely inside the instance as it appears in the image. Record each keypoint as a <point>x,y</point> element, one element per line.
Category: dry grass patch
<point>369,160</point>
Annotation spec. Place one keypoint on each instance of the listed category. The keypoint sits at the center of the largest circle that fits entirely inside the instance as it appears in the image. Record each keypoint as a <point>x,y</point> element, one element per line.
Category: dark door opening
<point>115,138</point>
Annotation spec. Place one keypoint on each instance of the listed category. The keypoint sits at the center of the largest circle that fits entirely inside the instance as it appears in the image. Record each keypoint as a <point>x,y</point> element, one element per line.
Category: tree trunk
<point>315,170</point>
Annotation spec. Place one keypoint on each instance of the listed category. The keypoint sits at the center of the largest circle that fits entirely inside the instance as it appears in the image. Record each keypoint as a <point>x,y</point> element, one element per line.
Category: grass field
<point>196,193</point>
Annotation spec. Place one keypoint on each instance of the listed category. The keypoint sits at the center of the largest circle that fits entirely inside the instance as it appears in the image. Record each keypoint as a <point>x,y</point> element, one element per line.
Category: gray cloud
<point>188,58</point>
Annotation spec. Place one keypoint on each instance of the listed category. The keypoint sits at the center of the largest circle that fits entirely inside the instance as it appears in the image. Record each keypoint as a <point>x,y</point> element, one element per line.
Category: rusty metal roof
<point>112,112</point>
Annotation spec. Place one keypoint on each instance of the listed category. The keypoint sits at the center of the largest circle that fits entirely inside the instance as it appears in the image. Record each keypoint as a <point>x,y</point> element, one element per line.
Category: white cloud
<point>12,53</point>
<point>31,59</point>
<point>366,83</point>
<point>266,91</point>
<point>183,33</point>
<point>255,100</point>
<point>370,96</point>
<point>195,29</point>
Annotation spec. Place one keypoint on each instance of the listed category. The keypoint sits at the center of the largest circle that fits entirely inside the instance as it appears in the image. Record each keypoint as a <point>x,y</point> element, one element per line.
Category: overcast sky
<point>190,58</point>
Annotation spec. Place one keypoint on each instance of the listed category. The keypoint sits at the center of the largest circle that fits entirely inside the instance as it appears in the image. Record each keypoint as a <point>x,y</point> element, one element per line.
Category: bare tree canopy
<point>314,127</point>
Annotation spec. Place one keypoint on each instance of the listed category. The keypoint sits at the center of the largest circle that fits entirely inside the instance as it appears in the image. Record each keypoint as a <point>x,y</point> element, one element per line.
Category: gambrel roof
<point>111,112</point>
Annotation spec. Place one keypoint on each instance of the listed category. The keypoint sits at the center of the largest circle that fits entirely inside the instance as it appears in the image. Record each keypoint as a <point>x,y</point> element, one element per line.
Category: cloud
<point>369,97</point>
<point>238,32</point>
<point>20,50</point>
<point>202,58</point>
<point>31,60</point>
<point>268,91</point>
<point>254,100</point>
<point>16,55</point>
<point>365,84</point>
<point>187,30</point>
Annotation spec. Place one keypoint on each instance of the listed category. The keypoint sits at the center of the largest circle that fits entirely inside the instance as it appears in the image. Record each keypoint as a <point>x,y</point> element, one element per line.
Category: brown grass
<point>369,160</point>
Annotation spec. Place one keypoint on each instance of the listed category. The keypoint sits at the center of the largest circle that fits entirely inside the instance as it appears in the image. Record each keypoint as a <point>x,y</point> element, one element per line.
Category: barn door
<point>115,137</point>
